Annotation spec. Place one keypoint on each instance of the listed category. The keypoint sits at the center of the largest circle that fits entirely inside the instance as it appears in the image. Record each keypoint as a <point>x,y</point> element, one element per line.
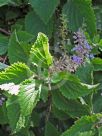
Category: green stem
<point>91,103</point>
<point>91,97</point>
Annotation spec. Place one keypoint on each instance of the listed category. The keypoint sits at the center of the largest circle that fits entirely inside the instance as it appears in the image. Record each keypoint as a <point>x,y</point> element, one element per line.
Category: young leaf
<point>28,97</point>
<point>45,5</point>
<point>40,51</point>
<point>83,124</point>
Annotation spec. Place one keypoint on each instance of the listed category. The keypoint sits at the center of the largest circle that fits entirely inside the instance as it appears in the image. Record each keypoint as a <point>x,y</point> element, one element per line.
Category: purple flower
<point>87,46</point>
<point>78,48</point>
<point>90,56</point>
<point>77,59</point>
<point>82,48</point>
<point>79,37</point>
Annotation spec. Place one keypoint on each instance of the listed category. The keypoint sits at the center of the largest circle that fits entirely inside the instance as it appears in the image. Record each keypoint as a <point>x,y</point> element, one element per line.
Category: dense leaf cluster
<point>42,91</point>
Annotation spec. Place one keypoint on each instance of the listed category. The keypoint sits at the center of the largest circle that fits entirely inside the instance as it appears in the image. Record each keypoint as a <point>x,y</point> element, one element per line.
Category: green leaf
<point>98,13</point>
<point>15,73</point>
<point>28,97</point>
<point>40,51</point>
<point>58,76</point>
<point>3,114</point>
<point>71,107</point>
<point>78,12</point>
<point>84,73</point>
<point>98,78</point>
<point>19,47</point>
<point>4,2</point>
<point>88,133</point>
<point>97,63</point>
<point>44,94</point>
<point>44,8</point>
<point>25,132</point>
<point>97,102</point>
<point>71,88</point>
<point>16,120</point>
<point>18,2</point>
<point>38,25</point>
<point>61,115</point>
<point>3,44</point>
<point>100,131</point>
<point>18,26</point>
<point>12,14</point>
<point>35,118</point>
<point>50,130</point>
<point>83,124</point>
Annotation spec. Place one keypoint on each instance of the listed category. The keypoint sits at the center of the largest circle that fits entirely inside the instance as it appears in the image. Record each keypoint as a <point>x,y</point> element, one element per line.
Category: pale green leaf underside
<point>11,88</point>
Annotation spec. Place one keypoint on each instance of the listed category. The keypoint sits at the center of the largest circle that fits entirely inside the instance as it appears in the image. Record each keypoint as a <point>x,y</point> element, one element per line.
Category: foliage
<point>50,68</point>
